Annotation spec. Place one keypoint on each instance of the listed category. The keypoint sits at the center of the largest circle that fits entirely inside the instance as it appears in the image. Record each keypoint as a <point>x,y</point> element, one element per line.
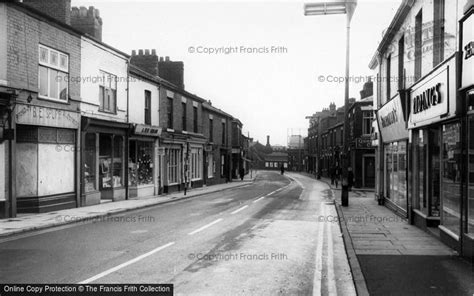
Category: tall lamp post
<point>346,7</point>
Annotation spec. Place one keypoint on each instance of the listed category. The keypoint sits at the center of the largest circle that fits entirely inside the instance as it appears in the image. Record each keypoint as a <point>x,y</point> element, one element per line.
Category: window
<point>195,119</point>
<point>401,57</point>
<point>196,163</point>
<point>211,130</point>
<point>89,163</point>
<point>388,75</point>
<point>148,107</point>
<point>418,43</point>
<point>438,32</point>
<point>183,108</point>
<point>211,166</point>
<point>107,92</point>
<point>223,133</point>
<point>222,165</point>
<point>53,74</point>
<point>174,160</point>
<point>367,118</point>
<point>170,112</point>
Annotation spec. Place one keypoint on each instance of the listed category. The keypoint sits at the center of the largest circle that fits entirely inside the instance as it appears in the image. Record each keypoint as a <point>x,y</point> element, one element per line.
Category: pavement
<point>388,256</point>
<point>33,222</point>
<point>266,238</point>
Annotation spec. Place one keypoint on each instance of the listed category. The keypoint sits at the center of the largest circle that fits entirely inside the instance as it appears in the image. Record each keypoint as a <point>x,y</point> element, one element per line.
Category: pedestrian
<point>242,174</point>
<point>282,169</point>
<point>337,175</point>
<point>350,178</point>
<point>333,174</point>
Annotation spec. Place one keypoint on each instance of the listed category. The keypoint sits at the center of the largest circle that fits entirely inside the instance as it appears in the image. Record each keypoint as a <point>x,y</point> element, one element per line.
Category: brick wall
<point>25,33</point>
<point>58,9</point>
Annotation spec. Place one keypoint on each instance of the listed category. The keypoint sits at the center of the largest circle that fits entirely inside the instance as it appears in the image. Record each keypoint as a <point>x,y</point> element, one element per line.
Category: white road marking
<point>318,269</point>
<point>118,267</point>
<point>332,290</point>
<point>206,226</point>
<point>259,199</point>
<point>238,210</point>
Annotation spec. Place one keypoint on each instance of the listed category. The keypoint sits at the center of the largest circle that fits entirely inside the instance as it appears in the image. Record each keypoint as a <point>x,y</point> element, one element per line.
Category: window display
<point>395,173</point>
<point>451,177</point>
<point>470,189</point>
<point>118,161</point>
<point>105,161</point>
<point>89,163</point>
<point>141,163</point>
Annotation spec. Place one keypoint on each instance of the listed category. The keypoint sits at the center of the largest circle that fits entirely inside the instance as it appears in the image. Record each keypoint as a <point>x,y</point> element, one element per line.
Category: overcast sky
<point>270,92</point>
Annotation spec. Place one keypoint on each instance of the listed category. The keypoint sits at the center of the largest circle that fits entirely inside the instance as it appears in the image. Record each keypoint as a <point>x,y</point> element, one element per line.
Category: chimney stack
<point>145,61</point>
<point>268,140</point>
<point>58,9</point>
<point>172,71</point>
<point>87,21</point>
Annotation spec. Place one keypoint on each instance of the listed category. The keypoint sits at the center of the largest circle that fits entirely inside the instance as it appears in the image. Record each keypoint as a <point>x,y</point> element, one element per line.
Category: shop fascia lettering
<point>390,118</point>
<point>430,97</point>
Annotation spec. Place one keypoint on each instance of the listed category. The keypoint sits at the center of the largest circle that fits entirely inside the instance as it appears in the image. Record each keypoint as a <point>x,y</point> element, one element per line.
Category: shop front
<point>103,160</point>
<point>466,94</point>
<point>363,162</point>
<point>393,158</point>
<point>46,154</point>
<point>436,139</point>
<point>144,161</point>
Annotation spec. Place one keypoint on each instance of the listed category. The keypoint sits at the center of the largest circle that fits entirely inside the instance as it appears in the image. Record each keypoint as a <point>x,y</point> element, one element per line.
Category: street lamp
<point>346,7</point>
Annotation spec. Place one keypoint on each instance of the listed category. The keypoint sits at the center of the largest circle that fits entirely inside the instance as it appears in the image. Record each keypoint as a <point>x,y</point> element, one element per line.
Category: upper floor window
<point>148,107</point>
<point>53,74</point>
<point>367,118</point>
<point>108,92</point>
<point>211,130</point>
<point>183,107</point>
<point>438,32</point>
<point>418,43</point>
<point>169,109</point>
<point>388,75</point>
<point>223,133</point>
<point>195,119</point>
<point>401,62</point>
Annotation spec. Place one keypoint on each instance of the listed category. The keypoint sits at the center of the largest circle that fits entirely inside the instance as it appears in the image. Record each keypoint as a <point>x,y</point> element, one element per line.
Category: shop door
<point>369,171</point>
<point>434,183</point>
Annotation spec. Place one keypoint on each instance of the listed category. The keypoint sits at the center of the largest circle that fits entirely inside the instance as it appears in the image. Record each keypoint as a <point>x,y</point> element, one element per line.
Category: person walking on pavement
<point>350,178</point>
<point>337,175</point>
<point>242,174</point>
<point>333,174</point>
<point>282,169</point>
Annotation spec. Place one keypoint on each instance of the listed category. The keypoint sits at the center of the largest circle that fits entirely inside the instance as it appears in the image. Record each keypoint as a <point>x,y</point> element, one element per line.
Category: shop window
<point>140,163</point>
<point>420,174</point>
<point>434,167</point>
<point>108,92</point>
<point>451,177</point>
<point>470,184</point>
<point>90,163</point>
<point>105,162</point>
<point>196,163</point>
<point>174,161</point>
<point>211,166</point>
<point>53,74</point>
<point>118,164</point>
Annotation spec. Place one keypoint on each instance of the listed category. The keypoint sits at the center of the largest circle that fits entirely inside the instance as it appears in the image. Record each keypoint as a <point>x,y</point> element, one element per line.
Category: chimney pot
<point>140,52</point>
<point>147,52</point>
<point>153,51</point>
<point>134,52</point>
<point>167,58</point>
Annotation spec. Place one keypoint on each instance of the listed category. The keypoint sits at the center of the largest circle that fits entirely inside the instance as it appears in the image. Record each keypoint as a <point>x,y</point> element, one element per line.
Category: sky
<point>262,61</point>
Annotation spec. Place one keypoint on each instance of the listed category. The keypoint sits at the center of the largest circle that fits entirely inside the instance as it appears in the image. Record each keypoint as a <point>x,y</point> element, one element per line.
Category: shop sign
<point>363,143</point>
<point>391,122</point>
<point>429,100</point>
<point>45,116</point>
<point>468,52</point>
<point>147,130</point>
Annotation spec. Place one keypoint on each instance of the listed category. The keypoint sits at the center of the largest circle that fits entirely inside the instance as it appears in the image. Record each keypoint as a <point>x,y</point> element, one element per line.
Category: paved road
<point>275,236</point>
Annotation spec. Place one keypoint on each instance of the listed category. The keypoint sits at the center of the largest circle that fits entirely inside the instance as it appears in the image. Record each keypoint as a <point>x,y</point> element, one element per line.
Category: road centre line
<point>238,210</point>
<point>258,199</point>
<point>118,267</point>
<point>206,226</point>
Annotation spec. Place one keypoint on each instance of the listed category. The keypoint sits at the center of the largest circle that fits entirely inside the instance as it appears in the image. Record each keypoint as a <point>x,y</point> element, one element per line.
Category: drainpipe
<point>127,136</point>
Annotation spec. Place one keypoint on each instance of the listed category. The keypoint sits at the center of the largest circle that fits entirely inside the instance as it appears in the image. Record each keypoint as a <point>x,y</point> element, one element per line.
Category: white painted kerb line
<point>118,267</point>
<point>259,199</point>
<point>238,210</point>
<point>206,226</point>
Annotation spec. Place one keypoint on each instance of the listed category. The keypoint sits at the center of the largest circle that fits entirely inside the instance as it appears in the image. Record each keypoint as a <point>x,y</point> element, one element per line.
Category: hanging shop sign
<point>46,116</point>
<point>429,99</point>
<point>147,130</point>
<point>468,52</point>
<point>392,125</point>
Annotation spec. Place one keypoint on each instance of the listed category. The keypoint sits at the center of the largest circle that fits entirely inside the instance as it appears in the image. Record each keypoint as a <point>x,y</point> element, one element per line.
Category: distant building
<point>276,160</point>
